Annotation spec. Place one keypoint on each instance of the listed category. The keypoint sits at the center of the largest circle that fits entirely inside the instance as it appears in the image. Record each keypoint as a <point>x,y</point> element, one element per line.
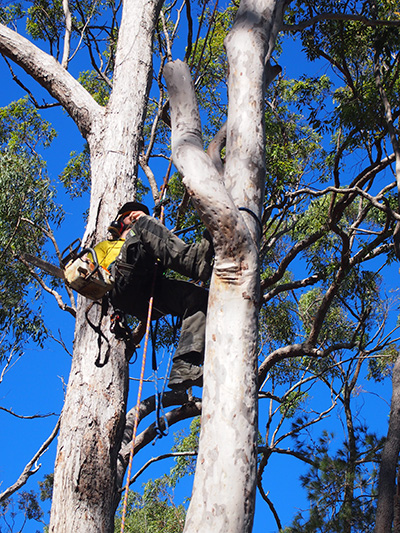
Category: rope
<point>250,212</point>
<point>135,426</point>
<point>160,415</point>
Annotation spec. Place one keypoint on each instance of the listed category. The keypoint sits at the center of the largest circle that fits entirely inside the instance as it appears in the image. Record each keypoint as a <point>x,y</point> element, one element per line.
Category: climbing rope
<point>139,396</point>
<point>158,395</point>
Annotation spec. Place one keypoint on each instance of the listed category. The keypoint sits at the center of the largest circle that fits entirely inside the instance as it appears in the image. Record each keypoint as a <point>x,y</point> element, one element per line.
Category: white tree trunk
<point>225,480</point>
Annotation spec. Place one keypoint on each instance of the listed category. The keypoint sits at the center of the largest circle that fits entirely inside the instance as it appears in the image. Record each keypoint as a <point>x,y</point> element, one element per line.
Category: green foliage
<point>313,124</point>
<point>76,175</point>
<point>27,204</point>
<point>209,69</point>
<point>292,402</point>
<point>22,129</point>
<point>10,13</point>
<point>334,476</point>
<point>20,509</point>
<point>96,86</point>
<point>46,487</point>
<point>155,511</point>
<point>45,20</point>
<point>380,367</point>
<point>277,325</point>
<point>336,327</point>
<point>185,465</point>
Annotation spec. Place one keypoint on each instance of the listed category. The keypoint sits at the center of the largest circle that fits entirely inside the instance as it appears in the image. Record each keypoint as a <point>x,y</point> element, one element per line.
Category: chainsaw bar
<point>44,265</point>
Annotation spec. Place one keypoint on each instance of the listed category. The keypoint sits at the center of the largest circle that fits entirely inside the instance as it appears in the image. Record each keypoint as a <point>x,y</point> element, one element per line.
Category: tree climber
<point>141,249</point>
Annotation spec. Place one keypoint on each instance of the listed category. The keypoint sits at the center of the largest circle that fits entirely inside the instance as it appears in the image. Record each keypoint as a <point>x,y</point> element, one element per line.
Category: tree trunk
<point>390,457</point>
<point>225,480</point>
<point>91,431</point>
<point>85,483</point>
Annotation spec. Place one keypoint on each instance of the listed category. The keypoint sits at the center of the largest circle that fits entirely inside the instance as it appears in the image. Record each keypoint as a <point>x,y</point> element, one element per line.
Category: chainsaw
<point>79,270</point>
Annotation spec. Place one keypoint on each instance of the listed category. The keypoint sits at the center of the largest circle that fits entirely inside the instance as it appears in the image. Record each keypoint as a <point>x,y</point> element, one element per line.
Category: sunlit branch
<point>167,39</point>
<point>9,360</point>
<point>306,282</point>
<point>160,458</point>
<point>67,36</point>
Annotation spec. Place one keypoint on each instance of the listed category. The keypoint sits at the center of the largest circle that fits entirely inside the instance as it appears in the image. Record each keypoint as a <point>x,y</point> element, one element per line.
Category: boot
<point>184,375</point>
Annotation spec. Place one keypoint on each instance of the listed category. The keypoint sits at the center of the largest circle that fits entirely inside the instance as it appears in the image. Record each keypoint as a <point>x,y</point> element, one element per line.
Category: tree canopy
<point>327,332</point>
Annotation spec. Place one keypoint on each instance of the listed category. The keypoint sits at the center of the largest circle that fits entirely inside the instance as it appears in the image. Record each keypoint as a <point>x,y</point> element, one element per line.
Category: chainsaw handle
<point>91,251</point>
<point>95,261</point>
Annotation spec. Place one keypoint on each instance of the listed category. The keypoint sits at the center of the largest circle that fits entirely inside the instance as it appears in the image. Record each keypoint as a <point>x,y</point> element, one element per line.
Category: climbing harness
<point>119,327</point>
<point>97,328</point>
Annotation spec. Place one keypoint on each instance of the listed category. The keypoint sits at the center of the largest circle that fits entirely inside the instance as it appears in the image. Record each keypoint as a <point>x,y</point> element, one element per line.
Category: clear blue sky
<point>36,383</point>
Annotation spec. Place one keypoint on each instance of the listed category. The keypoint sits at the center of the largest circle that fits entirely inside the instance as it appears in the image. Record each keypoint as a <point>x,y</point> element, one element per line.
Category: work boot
<point>184,375</point>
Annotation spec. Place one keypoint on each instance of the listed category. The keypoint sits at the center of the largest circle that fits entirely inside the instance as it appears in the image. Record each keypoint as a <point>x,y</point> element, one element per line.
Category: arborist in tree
<point>141,250</point>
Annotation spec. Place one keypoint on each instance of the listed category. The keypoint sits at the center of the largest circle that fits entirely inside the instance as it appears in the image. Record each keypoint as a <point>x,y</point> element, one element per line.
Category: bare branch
<point>53,77</point>
<point>159,458</point>
<point>30,469</point>
<point>25,417</point>
<point>306,282</point>
<point>9,362</point>
<point>67,36</point>
<point>186,410</point>
<point>63,306</point>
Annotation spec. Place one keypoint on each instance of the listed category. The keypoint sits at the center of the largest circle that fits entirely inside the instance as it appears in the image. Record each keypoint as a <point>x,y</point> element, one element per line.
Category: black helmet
<point>132,206</point>
<point>117,226</point>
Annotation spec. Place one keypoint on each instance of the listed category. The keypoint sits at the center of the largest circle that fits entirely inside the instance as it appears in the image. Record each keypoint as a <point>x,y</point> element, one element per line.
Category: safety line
<point>128,477</point>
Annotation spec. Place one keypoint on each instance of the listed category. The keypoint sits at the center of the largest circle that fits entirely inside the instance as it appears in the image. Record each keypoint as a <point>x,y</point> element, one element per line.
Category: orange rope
<point>146,341</point>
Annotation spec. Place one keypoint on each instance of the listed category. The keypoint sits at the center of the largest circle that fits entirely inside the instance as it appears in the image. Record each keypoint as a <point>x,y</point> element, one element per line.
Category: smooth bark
<point>230,204</point>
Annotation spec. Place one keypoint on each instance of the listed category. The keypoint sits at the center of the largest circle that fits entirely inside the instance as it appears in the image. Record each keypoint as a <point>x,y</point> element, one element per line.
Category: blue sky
<point>36,384</point>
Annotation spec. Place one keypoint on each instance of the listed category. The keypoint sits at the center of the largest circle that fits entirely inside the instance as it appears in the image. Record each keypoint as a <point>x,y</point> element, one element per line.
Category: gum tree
<point>334,230</point>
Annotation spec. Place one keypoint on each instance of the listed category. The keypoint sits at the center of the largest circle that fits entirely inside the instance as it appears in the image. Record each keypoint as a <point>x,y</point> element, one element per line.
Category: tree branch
<point>339,16</point>
<point>67,36</point>
<point>25,417</point>
<point>199,173</point>
<point>53,77</point>
<point>159,458</point>
<point>28,471</point>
